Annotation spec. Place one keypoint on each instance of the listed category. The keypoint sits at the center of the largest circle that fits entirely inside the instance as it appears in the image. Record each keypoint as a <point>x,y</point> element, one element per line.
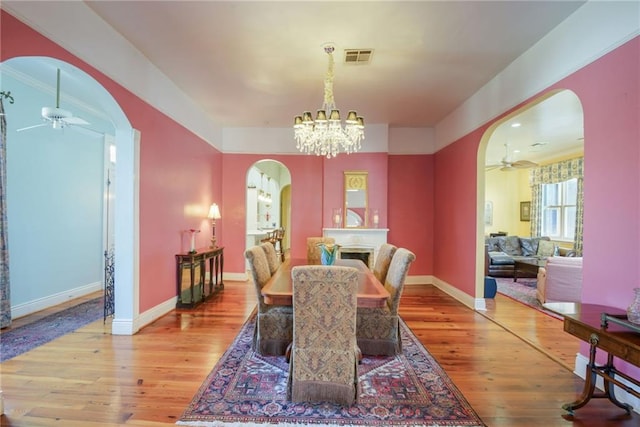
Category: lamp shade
<point>214,212</point>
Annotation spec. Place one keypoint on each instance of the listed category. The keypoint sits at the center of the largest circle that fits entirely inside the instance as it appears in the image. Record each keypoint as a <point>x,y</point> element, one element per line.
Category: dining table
<point>279,289</point>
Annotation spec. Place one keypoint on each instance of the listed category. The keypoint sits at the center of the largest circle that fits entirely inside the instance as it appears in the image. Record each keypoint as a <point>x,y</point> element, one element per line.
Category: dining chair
<point>323,363</point>
<point>274,323</point>
<point>378,329</point>
<point>383,259</point>
<point>272,256</point>
<point>313,250</point>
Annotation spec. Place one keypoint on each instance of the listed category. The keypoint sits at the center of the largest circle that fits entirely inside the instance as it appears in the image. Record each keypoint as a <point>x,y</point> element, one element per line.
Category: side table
<point>193,288</point>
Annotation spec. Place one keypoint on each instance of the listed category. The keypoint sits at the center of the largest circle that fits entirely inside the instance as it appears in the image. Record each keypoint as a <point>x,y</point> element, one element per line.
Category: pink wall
<point>608,89</point>
<point>455,212</point>
<point>306,203</point>
<point>175,177</point>
<point>411,208</point>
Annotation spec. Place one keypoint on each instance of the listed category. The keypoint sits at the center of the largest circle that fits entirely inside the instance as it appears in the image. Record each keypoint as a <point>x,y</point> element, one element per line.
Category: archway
<point>36,79</point>
<point>268,201</point>
<point>547,130</point>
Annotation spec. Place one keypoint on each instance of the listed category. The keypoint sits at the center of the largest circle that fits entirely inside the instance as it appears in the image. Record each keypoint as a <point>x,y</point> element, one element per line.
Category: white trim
<point>33,306</point>
<point>155,312</point>
<point>456,293</point>
<point>236,277</point>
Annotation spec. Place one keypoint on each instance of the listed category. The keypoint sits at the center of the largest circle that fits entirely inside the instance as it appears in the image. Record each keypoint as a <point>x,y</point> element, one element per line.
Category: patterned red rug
<point>411,389</point>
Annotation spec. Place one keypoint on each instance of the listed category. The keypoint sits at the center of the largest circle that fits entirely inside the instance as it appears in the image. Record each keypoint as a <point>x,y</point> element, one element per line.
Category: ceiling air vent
<point>357,56</point>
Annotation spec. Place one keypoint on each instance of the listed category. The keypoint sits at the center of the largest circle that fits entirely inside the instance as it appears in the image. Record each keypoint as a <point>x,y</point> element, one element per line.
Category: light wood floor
<point>91,378</point>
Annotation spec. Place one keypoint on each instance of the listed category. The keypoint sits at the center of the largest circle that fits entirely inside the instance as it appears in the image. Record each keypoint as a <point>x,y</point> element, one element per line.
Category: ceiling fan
<point>508,163</point>
<point>56,116</point>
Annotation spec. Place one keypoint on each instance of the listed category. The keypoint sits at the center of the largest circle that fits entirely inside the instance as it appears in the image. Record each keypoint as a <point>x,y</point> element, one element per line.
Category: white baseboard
<point>29,307</point>
<point>236,277</point>
<point>624,397</point>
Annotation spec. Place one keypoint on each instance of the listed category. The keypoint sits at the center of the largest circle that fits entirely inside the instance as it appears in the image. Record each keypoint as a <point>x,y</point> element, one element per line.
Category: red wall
<point>609,90</point>
<point>179,172</point>
<point>411,208</point>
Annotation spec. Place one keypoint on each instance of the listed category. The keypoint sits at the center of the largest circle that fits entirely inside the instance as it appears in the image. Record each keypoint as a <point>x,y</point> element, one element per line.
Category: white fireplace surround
<point>358,238</point>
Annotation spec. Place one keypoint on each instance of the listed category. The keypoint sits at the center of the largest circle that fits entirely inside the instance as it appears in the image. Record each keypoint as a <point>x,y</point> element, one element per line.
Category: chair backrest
<point>272,256</point>
<point>396,276</point>
<point>383,260</point>
<point>313,251</point>
<point>259,268</point>
<point>324,306</point>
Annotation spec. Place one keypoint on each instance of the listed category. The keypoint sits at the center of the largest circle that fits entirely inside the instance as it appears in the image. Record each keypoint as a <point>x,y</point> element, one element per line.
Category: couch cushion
<point>546,248</point>
<point>510,245</point>
<point>529,246</point>
<point>492,243</point>
<point>500,258</point>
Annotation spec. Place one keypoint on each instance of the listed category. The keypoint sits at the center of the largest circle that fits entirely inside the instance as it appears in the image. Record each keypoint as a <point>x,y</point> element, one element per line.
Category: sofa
<point>560,280</point>
<point>501,252</point>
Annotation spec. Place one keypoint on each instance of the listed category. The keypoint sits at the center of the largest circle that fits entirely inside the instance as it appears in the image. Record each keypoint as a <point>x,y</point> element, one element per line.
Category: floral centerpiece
<point>328,253</point>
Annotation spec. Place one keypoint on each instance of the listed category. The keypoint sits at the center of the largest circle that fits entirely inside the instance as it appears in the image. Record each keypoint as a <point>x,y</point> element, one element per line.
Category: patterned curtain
<point>551,174</point>
<point>5,294</point>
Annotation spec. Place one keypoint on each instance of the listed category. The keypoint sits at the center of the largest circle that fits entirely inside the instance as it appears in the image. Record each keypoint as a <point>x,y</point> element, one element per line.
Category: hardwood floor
<point>91,378</point>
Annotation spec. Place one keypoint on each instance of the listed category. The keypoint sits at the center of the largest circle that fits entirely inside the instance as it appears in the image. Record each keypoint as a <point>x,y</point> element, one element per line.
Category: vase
<point>633,311</point>
<point>328,254</point>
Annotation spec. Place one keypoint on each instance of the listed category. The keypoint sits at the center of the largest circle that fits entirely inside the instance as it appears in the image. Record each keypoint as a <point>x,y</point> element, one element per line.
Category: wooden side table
<point>587,322</point>
<point>193,289</point>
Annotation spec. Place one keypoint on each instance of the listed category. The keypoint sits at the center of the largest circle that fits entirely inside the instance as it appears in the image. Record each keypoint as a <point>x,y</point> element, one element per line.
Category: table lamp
<point>214,213</point>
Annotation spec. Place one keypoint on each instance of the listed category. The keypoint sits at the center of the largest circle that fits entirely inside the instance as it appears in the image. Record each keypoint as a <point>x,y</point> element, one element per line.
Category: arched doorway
<point>34,80</point>
<point>546,131</point>
<point>268,201</point>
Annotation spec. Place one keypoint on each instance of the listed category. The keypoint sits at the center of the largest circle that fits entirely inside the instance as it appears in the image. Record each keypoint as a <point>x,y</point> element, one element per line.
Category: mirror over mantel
<point>356,199</point>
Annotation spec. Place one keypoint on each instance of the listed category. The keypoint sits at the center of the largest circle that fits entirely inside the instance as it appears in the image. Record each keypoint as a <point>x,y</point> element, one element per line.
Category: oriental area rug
<point>246,389</point>
<point>523,291</point>
<point>15,341</point>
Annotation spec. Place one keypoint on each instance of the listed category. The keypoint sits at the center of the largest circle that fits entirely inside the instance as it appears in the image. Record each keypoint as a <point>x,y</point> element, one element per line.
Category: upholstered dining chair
<point>378,329</point>
<point>313,250</point>
<point>383,260</point>
<point>274,324</point>
<point>272,256</point>
<point>323,365</point>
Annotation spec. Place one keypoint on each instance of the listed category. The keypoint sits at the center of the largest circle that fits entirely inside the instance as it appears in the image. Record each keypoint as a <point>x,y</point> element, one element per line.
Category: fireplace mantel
<point>358,237</point>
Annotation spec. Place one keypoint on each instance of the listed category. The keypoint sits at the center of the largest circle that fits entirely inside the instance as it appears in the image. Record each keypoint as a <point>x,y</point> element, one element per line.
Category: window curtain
<point>551,174</point>
<point>5,301</point>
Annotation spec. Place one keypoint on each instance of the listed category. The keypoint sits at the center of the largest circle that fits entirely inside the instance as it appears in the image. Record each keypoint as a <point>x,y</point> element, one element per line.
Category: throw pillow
<point>492,243</point>
<point>527,246</point>
<point>510,245</point>
<point>546,248</point>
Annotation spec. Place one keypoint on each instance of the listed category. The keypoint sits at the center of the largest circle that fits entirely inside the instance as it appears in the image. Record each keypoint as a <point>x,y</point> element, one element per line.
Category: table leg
<point>609,390</point>
<point>590,380</point>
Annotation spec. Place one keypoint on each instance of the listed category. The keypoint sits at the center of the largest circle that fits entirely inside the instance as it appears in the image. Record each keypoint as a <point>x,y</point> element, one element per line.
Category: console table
<point>192,288</point>
<point>593,324</point>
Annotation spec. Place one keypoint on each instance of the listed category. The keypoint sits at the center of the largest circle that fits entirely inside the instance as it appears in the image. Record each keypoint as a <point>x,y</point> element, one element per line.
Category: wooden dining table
<point>279,289</point>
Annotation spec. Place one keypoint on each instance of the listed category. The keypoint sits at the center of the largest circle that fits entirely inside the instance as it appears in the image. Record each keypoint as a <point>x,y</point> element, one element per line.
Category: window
<point>559,210</point>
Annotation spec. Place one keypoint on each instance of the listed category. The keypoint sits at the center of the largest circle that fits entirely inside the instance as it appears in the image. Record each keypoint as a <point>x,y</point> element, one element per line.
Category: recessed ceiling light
<point>515,125</point>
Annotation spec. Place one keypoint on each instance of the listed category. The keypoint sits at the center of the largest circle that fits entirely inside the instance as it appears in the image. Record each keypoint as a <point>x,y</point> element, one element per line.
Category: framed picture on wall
<point>488,213</point>
<point>525,211</point>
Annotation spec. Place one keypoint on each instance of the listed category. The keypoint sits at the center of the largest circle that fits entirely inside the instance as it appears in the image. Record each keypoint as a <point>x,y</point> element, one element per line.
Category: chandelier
<point>325,136</point>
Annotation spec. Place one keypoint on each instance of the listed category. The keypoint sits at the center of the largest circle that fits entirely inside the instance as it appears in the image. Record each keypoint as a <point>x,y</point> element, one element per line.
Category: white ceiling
<point>260,63</point>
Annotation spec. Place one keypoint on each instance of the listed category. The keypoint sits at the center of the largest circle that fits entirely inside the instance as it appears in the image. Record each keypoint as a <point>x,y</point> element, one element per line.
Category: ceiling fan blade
<point>75,121</point>
<point>492,167</point>
<point>31,127</point>
<point>524,164</point>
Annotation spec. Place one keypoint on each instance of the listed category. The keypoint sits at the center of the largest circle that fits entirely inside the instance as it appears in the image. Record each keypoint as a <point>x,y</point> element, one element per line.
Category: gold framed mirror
<point>356,199</point>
